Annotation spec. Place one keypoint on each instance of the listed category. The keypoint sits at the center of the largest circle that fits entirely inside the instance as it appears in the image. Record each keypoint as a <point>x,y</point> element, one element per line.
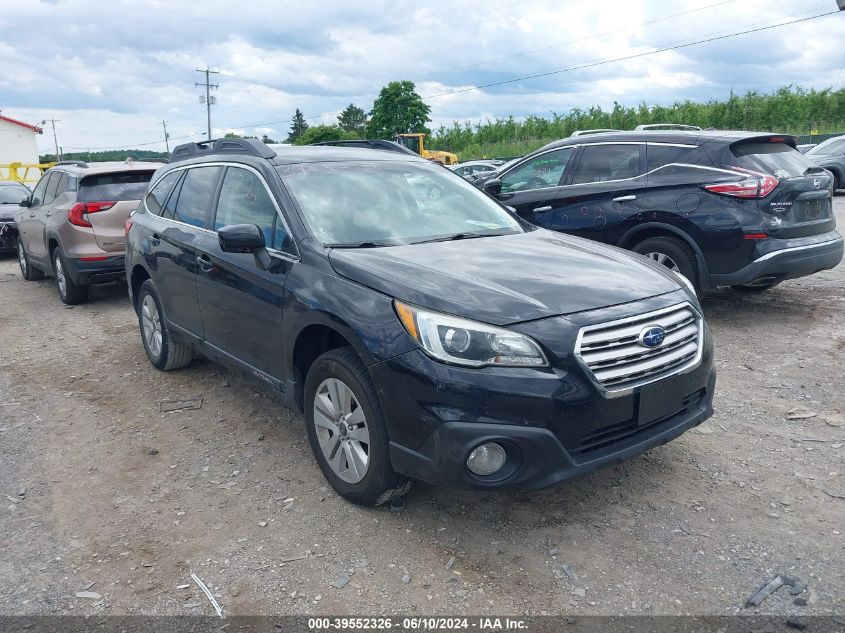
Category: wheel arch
<point>641,232</point>
<point>138,276</point>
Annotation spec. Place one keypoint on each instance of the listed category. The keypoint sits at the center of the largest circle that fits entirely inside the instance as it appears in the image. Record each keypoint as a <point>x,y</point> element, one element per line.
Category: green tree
<point>398,109</point>
<point>267,139</point>
<point>321,133</point>
<point>353,119</point>
<point>297,127</point>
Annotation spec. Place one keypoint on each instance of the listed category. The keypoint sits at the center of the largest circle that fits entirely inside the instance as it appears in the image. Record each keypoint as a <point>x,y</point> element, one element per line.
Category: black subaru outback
<point>423,339</point>
<point>739,209</point>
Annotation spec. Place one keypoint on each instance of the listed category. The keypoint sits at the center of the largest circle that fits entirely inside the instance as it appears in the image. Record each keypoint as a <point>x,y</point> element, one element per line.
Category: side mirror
<point>25,202</point>
<point>245,238</point>
<point>492,186</point>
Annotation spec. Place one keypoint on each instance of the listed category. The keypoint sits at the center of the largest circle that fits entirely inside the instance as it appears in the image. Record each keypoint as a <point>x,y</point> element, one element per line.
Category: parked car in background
<point>72,226</point>
<point>472,167</point>
<point>803,147</point>
<point>722,208</point>
<point>444,340</point>
<point>830,154</point>
<point>11,196</point>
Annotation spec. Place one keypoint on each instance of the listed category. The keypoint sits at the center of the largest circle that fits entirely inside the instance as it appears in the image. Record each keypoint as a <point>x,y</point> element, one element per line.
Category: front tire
<point>671,253</point>
<point>69,292</point>
<point>27,271</point>
<point>163,352</point>
<point>347,432</point>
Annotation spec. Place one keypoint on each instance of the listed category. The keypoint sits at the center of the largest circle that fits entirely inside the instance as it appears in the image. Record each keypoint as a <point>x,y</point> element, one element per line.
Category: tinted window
<point>53,187</point>
<point>13,194</point>
<point>245,200</point>
<point>833,146</point>
<point>38,194</point>
<point>129,185</point>
<point>776,159</point>
<point>155,199</point>
<point>661,155</point>
<point>391,202</point>
<point>539,172</point>
<point>600,163</point>
<point>197,195</point>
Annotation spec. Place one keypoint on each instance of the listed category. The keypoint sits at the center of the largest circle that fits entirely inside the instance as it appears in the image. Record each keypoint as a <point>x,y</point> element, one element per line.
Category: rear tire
<point>349,438</point>
<point>69,292</point>
<point>673,254</point>
<point>163,352</point>
<point>27,271</point>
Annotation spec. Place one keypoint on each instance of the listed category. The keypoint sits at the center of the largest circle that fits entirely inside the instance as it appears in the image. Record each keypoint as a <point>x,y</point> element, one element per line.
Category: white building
<point>17,142</point>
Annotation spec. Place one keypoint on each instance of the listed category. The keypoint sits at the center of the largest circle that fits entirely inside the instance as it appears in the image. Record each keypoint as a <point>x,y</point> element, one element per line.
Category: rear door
<point>604,192</point>
<point>801,202</point>
<point>109,199</point>
<point>532,187</point>
<point>241,303</point>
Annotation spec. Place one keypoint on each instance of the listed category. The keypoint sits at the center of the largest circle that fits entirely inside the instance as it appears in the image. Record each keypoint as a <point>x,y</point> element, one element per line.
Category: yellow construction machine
<point>416,143</point>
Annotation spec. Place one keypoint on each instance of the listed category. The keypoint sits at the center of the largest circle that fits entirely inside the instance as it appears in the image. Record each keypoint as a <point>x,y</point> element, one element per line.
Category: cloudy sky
<point>110,71</point>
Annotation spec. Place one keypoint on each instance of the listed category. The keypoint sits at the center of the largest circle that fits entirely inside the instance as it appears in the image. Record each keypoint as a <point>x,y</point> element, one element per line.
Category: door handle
<point>625,198</point>
<point>543,209</point>
<point>205,263</point>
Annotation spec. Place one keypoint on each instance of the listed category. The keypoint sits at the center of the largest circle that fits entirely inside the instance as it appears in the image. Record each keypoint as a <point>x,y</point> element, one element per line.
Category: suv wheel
<point>164,353</point>
<point>69,292</point>
<point>671,253</point>
<point>27,271</point>
<point>347,432</point>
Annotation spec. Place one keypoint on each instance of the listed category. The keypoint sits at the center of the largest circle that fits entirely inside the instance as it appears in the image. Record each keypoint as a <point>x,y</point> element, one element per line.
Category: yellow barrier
<point>20,172</point>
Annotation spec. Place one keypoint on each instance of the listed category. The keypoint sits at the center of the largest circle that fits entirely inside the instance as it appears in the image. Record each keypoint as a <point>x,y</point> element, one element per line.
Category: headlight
<point>686,282</point>
<point>464,342</point>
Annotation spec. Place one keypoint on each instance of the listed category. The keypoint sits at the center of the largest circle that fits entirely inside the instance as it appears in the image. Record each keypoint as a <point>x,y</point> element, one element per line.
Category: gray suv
<point>72,226</point>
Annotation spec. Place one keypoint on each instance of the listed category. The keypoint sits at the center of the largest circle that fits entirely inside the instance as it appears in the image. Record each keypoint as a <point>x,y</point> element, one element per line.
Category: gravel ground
<point>108,494</point>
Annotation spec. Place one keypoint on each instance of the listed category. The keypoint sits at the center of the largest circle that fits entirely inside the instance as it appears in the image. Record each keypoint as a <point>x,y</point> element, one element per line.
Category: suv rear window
<point>775,159</point>
<point>128,185</point>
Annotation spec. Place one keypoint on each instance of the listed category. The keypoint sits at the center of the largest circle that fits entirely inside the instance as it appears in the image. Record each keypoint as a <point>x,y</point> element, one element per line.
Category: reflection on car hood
<point>505,279</point>
<point>8,212</point>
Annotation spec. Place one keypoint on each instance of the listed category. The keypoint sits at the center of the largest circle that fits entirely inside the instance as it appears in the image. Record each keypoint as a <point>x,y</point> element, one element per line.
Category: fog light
<point>486,459</point>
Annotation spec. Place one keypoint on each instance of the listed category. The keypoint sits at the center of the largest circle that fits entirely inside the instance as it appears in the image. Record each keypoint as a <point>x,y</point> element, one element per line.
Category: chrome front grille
<point>612,351</point>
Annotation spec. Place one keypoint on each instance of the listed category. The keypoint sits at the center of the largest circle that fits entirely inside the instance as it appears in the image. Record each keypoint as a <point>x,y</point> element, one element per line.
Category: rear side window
<point>197,195</point>
<point>600,163</point>
<point>158,194</point>
<point>658,156</point>
<point>128,185</point>
<point>53,187</point>
<point>775,159</point>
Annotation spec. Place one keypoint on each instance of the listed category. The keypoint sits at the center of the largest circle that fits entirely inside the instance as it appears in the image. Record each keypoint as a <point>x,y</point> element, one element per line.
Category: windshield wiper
<point>457,236</point>
<point>368,244</point>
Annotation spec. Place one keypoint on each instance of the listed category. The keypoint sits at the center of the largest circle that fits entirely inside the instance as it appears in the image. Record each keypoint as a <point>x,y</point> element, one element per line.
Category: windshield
<point>835,145</point>
<point>13,194</point>
<point>387,203</point>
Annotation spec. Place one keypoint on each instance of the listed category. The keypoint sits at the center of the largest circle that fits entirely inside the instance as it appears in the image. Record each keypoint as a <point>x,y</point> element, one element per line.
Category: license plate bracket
<point>659,400</point>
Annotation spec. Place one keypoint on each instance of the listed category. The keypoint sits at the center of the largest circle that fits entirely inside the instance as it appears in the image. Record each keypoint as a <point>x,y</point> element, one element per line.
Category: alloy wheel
<point>60,275</point>
<point>664,259</point>
<point>22,258</point>
<point>151,325</point>
<point>342,430</point>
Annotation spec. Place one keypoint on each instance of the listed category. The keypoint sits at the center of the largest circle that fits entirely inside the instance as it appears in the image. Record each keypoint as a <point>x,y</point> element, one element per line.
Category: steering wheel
<point>536,182</point>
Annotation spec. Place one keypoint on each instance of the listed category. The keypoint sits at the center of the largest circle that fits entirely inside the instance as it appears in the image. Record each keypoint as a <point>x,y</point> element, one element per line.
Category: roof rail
<point>596,131</point>
<point>248,146</point>
<point>78,163</point>
<point>667,126</point>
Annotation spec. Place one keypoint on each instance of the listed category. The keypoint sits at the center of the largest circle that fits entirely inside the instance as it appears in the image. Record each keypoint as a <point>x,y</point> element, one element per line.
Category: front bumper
<point>84,273</point>
<point>8,236</point>
<point>781,259</point>
<point>555,424</point>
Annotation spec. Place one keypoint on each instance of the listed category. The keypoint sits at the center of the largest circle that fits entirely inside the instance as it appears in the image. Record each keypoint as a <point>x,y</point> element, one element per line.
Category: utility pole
<point>55,141</point>
<point>208,99</point>
<point>166,136</point>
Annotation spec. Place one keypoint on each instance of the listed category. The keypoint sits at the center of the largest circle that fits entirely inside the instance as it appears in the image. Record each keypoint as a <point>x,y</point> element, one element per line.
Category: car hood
<point>505,279</point>
<point>8,212</point>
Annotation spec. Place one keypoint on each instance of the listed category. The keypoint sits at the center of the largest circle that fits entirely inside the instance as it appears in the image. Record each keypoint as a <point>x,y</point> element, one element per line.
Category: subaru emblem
<point>817,183</point>
<point>652,336</point>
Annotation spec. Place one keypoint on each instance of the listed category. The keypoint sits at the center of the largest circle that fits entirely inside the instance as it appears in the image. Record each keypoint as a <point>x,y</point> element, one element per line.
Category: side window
<point>600,163</point>
<point>40,188</point>
<point>52,187</point>
<point>539,172</point>
<point>63,184</point>
<point>155,199</point>
<point>245,200</point>
<point>662,155</point>
<point>197,195</point>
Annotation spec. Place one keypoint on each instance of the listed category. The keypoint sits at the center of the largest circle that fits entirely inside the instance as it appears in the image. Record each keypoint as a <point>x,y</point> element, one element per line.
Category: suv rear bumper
<point>84,273</point>
<point>787,259</point>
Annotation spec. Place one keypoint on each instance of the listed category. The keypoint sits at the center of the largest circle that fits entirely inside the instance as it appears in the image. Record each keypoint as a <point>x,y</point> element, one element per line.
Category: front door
<point>241,303</point>
<point>27,221</point>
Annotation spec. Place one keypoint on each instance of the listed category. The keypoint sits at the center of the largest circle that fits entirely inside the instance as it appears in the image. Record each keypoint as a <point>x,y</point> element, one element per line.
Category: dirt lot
<point>108,494</point>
